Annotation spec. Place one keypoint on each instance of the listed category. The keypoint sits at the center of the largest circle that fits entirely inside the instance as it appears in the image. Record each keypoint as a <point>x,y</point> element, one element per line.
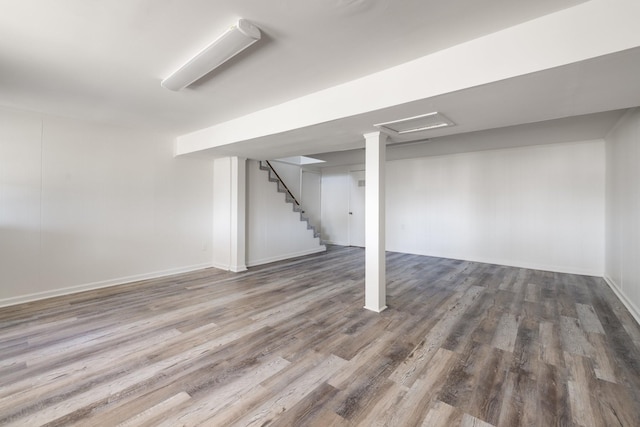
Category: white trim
<point>333,242</point>
<point>321,248</point>
<point>623,298</point>
<point>376,310</point>
<point>508,263</point>
<point>98,285</point>
<point>225,267</point>
<point>229,267</point>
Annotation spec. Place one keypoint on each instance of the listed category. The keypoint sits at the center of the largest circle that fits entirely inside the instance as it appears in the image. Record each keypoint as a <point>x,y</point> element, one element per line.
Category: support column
<point>375,262</point>
<point>238,205</point>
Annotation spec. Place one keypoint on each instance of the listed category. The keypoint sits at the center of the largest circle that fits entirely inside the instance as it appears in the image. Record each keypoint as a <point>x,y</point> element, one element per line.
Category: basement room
<point>320,213</point>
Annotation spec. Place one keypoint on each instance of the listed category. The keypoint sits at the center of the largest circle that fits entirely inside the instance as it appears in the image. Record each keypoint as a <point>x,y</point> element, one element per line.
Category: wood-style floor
<point>289,344</point>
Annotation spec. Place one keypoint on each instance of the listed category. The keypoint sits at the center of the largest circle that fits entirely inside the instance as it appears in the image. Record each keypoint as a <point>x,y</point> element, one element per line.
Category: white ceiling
<point>596,86</point>
<point>566,130</point>
<point>103,60</point>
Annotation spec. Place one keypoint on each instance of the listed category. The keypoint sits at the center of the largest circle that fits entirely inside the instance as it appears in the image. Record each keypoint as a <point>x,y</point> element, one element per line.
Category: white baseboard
<point>225,267</point>
<point>332,242</point>
<point>98,285</point>
<point>623,298</point>
<point>253,263</point>
<point>509,263</point>
<point>238,268</point>
<point>229,267</point>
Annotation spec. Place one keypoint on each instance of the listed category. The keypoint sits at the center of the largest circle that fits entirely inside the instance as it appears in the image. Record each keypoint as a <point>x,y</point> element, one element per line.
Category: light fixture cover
<point>415,124</point>
<point>236,39</point>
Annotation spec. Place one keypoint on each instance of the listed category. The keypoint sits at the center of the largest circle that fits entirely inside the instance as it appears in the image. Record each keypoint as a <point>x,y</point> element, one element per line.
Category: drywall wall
<point>84,206</point>
<point>310,197</point>
<point>274,231</point>
<point>221,221</point>
<point>622,265</point>
<point>304,184</point>
<point>334,203</point>
<point>229,213</point>
<point>537,207</point>
<point>290,175</point>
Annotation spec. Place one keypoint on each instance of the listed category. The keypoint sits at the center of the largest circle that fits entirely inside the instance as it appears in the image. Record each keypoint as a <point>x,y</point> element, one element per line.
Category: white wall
<point>536,207</point>
<point>85,206</point>
<point>274,231</point>
<point>622,268</point>
<point>335,203</point>
<point>311,197</point>
<point>229,213</point>
<point>290,175</point>
<point>221,250</point>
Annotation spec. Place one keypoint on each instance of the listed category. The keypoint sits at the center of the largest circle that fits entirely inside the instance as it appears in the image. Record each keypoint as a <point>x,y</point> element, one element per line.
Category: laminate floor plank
<point>443,415</point>
<point>414,403</point>
<point>553,400</point>
<point>289,344</point>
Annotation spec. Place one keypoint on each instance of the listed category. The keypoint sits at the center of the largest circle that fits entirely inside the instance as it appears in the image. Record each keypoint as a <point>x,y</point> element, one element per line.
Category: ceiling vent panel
<point>415,124</point>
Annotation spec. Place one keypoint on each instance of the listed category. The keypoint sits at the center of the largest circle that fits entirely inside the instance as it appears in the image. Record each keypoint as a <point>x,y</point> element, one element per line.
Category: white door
<point>356,208</point>
<point>311,197</point>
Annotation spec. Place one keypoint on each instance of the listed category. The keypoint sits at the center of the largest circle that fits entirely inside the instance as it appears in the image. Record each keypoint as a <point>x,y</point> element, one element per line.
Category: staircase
<point>288,196</point>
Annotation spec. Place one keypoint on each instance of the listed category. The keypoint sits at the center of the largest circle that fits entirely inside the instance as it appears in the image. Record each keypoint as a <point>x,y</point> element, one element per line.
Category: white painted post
<point>375,262</point>
<point>238,206</point>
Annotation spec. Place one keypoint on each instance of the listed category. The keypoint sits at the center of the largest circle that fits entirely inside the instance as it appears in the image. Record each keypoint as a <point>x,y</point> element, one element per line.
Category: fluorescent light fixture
<point>236,39</point>
<point>419,123</point>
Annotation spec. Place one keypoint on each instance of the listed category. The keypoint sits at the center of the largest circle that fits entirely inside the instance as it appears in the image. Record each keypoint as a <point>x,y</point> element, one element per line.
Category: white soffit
<point>415,124</point>
<point>546,44</point>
